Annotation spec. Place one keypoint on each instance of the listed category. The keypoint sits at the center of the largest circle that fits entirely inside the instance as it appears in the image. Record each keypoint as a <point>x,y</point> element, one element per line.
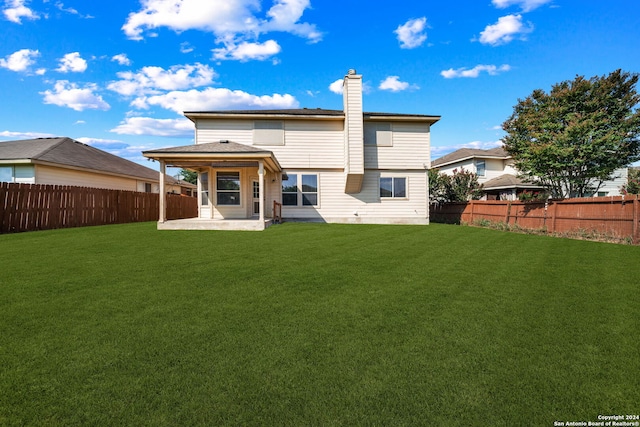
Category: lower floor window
<point>228,188</point>
<point>393,187</point>
<point>300,190</point>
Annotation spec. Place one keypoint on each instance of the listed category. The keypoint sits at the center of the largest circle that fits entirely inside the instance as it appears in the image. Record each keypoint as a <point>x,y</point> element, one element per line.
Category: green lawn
<point>315,324</point>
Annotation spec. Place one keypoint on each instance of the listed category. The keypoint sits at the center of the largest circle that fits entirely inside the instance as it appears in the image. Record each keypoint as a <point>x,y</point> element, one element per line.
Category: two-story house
<point>499,177</point>
<point>345,166</point>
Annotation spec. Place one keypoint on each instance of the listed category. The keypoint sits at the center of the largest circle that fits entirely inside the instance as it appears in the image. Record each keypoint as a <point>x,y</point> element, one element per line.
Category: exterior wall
<point>612,187</point>
<point>304,140</point>
<point>493,169</point>
<point>319,147</point>
<point>409,149</point>
<point>354,128</point>
<point>272,186</point>
<point>61,176</point>
<point>466,165</point>
<point>334,205</point>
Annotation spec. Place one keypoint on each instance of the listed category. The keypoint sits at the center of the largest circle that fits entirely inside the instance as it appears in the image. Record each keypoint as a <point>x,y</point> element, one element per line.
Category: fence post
<point>506,216</point>
<point>554,213</point>
<point>636,219</point>
<point>471,216</point>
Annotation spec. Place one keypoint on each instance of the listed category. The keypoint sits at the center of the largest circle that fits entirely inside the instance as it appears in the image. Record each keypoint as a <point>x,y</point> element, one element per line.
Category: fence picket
<point>616,217</point>
<point>27,207</point>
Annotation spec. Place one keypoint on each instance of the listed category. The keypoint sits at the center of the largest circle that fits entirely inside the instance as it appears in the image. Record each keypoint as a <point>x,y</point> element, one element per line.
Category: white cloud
<point>155,127</point>
<point>66,94</point>
<point>475,71</point>
<point>505,30</point>
<point>20,60</point>
<point>233,22</point>
<point>152,80</point>
<point>246,51</point>
<point>71,10</point>
<point>215,99</point>
<point>15,10</point>
<point>337,86</point>
<point>412,33</point>
<point>285,15</point>
<point>25,135</point>
<point>121,59</point>
<point>185,47</point>
<point>41,71</point>
<point>72,62</point>
<point>393,84</point>
<point>525,5</point>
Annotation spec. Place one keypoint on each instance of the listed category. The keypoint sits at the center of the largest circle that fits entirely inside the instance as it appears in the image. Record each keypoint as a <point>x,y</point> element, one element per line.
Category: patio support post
<point>163,194</point>
<point>261,186</point>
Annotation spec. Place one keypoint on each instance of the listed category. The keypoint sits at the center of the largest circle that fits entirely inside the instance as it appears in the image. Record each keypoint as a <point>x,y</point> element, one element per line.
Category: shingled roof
<point>67,152</point>
<point>470,153</point>
<point>508,181</point>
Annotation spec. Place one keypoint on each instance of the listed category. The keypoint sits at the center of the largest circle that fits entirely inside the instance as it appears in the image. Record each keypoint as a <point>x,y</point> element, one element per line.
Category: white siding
<point>62,176</point>
<point>308,144</point>
<point>240,131</point>
<point>365,207</point>
<point>409,150</point>
<point>493,169</point>
<point>612,187</point>
<point>354,132</point>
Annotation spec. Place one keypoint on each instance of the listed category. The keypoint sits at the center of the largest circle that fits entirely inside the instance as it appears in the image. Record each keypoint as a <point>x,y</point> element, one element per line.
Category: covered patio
<point>239,186</point>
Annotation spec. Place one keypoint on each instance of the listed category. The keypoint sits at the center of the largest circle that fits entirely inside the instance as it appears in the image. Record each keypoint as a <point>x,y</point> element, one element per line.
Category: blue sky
<point>117,75</point>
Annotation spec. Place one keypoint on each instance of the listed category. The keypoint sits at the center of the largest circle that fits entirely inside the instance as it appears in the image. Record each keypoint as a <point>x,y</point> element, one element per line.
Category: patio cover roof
<point>216,154</point>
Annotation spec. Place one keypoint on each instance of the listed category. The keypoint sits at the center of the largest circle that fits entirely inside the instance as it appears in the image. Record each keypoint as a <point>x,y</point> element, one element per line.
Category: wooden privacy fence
<point>27,207</point>
<point>617,217</point>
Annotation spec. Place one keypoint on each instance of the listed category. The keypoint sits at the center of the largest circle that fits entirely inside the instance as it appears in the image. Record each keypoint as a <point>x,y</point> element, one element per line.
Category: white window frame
<point>484,167</point>
<point>239,190</point>
<point>268,132</point>
<point>300,193</point>
<point>393,188</point>
<point>21,174</point>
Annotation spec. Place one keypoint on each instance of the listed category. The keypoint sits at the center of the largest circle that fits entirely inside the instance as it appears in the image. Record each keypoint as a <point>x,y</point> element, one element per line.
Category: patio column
<point>261,187</point>
<point>162,217</point>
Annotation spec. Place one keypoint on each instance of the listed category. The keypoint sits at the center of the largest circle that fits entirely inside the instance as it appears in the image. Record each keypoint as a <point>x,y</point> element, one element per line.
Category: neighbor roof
<point>470,153</point>
<point>68,152</point>
<point>507,181</point>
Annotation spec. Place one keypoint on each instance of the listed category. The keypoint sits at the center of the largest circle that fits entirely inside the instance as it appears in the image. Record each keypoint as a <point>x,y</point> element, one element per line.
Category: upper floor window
<point>380,134</point>
<point>268,132</point>
<point>228,188</point>
<point>480,168</point>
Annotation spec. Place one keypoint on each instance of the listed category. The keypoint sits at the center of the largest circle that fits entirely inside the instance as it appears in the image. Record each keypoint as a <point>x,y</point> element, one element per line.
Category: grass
<point>315,324</point>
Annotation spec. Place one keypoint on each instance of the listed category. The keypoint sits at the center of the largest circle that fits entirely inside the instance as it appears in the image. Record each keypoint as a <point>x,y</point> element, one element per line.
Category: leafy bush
<point>462,186</point>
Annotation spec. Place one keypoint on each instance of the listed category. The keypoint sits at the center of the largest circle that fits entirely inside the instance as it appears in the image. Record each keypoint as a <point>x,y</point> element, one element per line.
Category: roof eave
<point>193,116</point>
<point>400,118</point>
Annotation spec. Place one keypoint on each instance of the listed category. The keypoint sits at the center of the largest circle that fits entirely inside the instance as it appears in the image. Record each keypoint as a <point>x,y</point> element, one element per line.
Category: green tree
<point>462,186</point>
<point>633,182</point>
<point>189,176</point>
<point>574,137</point>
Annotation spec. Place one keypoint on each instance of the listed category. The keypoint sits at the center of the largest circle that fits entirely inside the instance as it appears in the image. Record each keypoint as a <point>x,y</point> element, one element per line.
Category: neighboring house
<point>497,174</point>
<point>345,166</point>
<point>64,161</point>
